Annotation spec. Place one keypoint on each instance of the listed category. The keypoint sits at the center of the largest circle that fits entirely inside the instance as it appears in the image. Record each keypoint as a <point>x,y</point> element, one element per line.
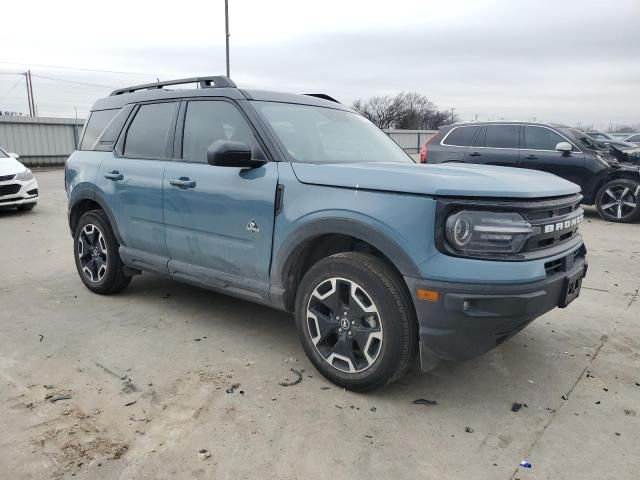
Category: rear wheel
<point>356,321</point>
<point>96,254</point>
<point>617,201</point>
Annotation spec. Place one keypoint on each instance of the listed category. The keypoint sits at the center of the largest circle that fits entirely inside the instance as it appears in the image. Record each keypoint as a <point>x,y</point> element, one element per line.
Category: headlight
<point>479,233</point>
<point>26,175</point>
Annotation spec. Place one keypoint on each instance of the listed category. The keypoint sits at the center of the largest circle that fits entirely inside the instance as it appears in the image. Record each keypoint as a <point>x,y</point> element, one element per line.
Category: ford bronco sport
<point>298,202</point>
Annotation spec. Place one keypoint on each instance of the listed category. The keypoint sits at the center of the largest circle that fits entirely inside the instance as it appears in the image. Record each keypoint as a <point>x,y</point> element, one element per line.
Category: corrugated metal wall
<point>411,140</point>
<point>40,141</point>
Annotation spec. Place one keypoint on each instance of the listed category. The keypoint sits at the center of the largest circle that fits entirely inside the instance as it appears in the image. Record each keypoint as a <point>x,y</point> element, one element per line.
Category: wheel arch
<point>617,175</point>
<point>321,238</point>
<point>86,201</point>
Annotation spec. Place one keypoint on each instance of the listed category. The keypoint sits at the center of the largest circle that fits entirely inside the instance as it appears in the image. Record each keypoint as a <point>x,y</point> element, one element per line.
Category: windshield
<point>598,135</point>
<point>326,135</point>
<point>579,137</point>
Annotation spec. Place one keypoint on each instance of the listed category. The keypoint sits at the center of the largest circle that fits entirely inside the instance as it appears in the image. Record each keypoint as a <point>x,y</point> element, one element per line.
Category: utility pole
<point>33,100</point>
<point>452,109</point>
<point>30,101</point>
<point>226,25</point>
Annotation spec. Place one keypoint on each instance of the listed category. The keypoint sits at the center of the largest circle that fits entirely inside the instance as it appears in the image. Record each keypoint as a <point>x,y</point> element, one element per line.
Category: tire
<point>376,340</point>
<point>95,250</point>
<point>619,201</point>
<point>26,207</point>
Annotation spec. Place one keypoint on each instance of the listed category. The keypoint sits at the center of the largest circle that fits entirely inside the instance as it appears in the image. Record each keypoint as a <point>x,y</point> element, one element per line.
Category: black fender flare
<point>99,198</point>
<point>291,247</point>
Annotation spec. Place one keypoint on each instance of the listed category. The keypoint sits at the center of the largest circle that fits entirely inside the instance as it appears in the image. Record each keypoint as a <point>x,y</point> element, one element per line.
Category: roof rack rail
<point>204,82</point>
<point>323,96</point>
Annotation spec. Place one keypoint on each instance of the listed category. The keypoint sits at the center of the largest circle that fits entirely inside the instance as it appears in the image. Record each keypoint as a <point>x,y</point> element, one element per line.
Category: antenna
<point>226,26</point>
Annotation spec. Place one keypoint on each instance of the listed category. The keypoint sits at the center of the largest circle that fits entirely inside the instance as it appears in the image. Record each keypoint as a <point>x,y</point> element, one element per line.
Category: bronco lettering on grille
<point>555,227</point>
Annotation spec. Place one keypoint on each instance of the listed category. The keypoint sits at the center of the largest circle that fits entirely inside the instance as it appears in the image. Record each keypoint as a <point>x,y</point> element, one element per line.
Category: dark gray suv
<point>610,184</point>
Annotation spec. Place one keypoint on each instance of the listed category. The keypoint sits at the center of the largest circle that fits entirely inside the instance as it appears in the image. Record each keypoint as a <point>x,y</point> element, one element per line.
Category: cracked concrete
<point>181,348</point>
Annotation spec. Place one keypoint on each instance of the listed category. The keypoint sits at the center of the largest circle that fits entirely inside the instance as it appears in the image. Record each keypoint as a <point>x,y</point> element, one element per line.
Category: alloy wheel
<point>619,201</point>
<point>92,252</point>
<point>344,325</point>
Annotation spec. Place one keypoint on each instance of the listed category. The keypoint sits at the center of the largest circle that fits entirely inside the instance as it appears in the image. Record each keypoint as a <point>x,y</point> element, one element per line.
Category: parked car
<point>600,135</point>
<point>18,186</point>
<point>613,186</point>
<point>635,139</point>
<point>604,140</point>
<point>621,135</point>
<point>300,203</point>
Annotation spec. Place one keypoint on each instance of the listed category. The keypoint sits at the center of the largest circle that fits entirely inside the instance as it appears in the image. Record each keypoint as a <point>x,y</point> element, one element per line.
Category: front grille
<point>4,178</point>
<point>10,189</point>
<point>554,266</point>
<point>565,263</point>
<point>554,224</point>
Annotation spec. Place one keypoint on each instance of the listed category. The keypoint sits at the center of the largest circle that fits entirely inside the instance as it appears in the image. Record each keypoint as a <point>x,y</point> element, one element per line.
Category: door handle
<point>475,154</point>
<point>531,157</point>
<point>182,182</point>
<point>114,175</point>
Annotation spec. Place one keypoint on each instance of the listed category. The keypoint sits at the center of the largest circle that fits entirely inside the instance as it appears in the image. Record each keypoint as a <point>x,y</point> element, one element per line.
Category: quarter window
<point>502,136</point>
<point>95,125</point>
<point>148,133</point>
<point>461,136</point>
<point>209,121</point>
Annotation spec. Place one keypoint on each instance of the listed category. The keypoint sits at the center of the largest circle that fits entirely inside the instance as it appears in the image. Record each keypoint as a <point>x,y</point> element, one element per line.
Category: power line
<point>74,82</point>
<point>46,102</point>
<point>14,86</point>
<point>66,67</point>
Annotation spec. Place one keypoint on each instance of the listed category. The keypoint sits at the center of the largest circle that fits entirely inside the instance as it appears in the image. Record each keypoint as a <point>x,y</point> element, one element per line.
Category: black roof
<point>509,122</point>
<point>209,87</point>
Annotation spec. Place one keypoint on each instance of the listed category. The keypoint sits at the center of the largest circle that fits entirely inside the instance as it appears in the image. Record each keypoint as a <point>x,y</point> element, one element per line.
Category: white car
<point>18,186</point>
<point>635,138</point>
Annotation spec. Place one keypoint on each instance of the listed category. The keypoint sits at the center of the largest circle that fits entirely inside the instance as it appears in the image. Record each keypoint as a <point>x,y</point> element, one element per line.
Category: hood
<point>626,155</point>
<point>450,179</point>
<point>10,166</point>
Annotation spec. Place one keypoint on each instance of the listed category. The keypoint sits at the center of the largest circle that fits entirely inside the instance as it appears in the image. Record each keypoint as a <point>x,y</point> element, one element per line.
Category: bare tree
<point>385,111</point>
<point>620,129</point>
<point>407,110</point>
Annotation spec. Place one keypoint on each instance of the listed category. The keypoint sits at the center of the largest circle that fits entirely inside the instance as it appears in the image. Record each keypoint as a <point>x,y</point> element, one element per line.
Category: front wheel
<point>356,321</point>
<point>617,201</point>
<point>96,254</point>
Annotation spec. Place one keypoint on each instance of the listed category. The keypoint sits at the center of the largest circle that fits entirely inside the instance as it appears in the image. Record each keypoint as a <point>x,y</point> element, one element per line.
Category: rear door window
<point>502,136</point>
<point>461,136</point>
<point>148,133</point>
<point>541,138</point>
<point>97,122</point>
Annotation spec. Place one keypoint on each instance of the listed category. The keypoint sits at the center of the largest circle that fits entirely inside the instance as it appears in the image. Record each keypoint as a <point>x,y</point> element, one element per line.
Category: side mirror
<point>14,155</point>
<point>225,153</point>
<point>564,147</point>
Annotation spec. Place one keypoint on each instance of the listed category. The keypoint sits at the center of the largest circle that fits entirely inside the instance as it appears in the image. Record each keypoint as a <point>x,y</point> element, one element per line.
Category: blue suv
<point>299,203</point>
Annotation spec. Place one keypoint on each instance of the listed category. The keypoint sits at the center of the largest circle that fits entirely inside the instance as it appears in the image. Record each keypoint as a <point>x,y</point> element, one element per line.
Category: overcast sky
<point>563,60</point>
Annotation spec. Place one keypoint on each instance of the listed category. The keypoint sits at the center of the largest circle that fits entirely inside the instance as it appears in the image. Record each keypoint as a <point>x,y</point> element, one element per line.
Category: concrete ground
<point>147,373</point>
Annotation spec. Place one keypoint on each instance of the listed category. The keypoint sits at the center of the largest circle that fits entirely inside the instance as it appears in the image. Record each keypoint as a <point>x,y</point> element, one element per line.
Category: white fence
<point>411,140</point>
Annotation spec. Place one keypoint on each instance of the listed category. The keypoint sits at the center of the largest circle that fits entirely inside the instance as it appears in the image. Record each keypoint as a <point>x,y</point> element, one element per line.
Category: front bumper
<point>16,192</point>
<point>470,319</point>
